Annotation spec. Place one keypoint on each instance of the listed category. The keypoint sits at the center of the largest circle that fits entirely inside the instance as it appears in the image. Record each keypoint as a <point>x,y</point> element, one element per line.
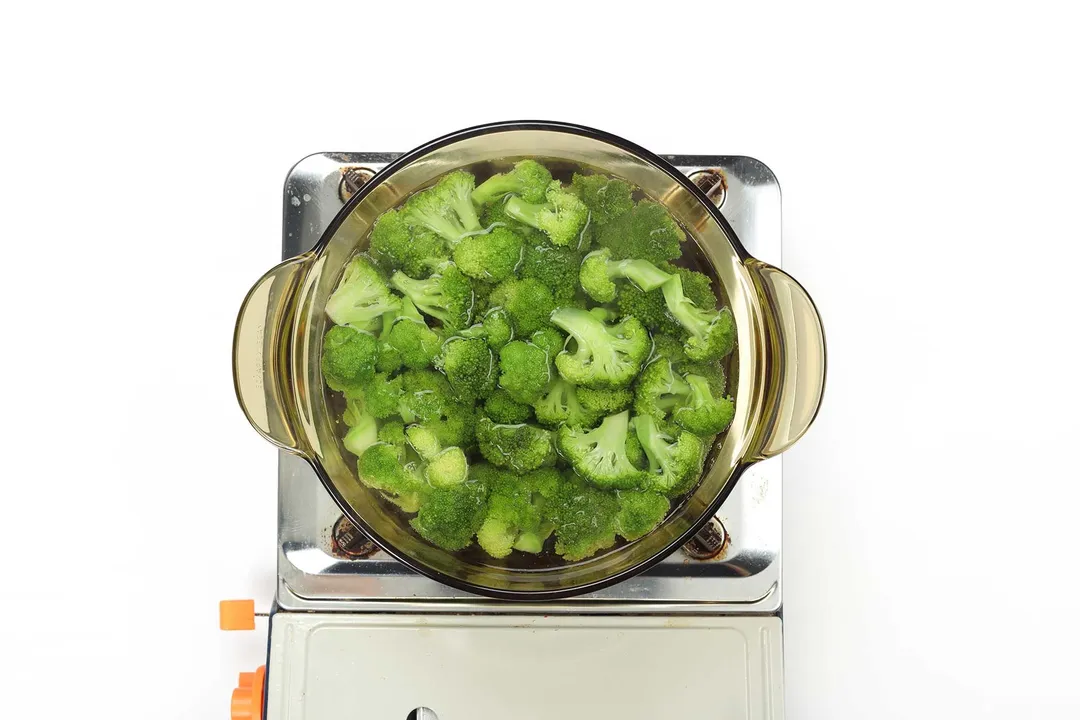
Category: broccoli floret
<point>496,328</point>
<point>415,251</point>
<point>639,513</point>
<point>449,517</point>
<point>382,468</point>
<point>634,452</point>
<point>647,232</point>
<point>445,209</point>
<point>669,347</point>
<point>392,432</point>
<point>648,307</point>
<point>516,517</point>
<point>504,409</point>
<point>563,217</point>
<point>425,395</point>
<point>525,371</point>
<point>444,466</point>
<point>607,198</point>
<point>555,267</point>
<point>388,359</point>
<point>414,344</point>
<point>423,440</point>
<point>599,456</point>
<point>701,412</point>
<point>605,401</point>
<point>659,390</point>
<point>457,426</point>
<point>529,179</point>
<point>518,447</point>
<point>348,359</point>
<point>491,257</point>
<point>382,395</point>
<point>712,332</point>
<point>548,339</point>
<point>528,301</point>
<point>361,296</point>
<point>599,272</point>
<point>560,405</point>
<point>363,432</point>
<point>469,365</point>
<point>605,355</point>
<point>494,215</point>
<point>584,519</point>
<point>696,286</point>
<point>447,295</point>
<point>675,456</point>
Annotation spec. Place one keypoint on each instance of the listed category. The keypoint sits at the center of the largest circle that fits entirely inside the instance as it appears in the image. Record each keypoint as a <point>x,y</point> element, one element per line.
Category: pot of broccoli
<point>527,364</point>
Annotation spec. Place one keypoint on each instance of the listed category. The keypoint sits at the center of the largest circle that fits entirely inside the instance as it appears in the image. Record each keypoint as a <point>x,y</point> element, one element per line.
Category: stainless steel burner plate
<point>315,574</point>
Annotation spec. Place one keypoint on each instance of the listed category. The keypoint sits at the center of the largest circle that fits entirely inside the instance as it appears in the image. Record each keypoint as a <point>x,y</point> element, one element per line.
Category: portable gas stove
<point>353,633</point>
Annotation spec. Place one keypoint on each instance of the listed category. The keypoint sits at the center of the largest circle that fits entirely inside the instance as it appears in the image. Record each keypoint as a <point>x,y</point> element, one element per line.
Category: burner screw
<point>349,541</point>
<point>709,542</point>
<point>352,179</point>
<point>713,183</point>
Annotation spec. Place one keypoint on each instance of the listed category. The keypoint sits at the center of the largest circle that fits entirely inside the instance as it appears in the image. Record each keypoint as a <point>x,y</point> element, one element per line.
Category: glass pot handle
<point>260,353</point>
<point>793,349</point>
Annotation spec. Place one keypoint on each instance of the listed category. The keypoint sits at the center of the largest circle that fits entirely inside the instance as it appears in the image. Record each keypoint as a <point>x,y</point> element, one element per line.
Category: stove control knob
<point>247,698</point>
<point>236,615</point>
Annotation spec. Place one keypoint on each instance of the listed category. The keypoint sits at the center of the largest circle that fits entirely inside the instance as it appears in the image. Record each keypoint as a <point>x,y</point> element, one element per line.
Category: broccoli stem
<point>494,187</point>
<point>640,272</point>
<point>525,212</point>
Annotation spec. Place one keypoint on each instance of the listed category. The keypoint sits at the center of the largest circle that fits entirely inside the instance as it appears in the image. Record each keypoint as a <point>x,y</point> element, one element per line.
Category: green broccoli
<point>496,328</point>
<point>382,395</point>
<point>599,456</point>
<point>607,198</point>
<point>392,432</point>
<point>414,343</point>
<point>606,401</point>
<point>675,456</point>
<point>669,347</point>
<point>548,339</point>
<point>382,468</point>
<point>491,257</point>
<point>560,405</point>
<point>605,355</point>
<point>702,413</point>
<point>529,179</point>
<point>361,296</point>
<point>712,332</point>
<point>415,251</point>
<point>647,232</point>
<point>555,267</point>
<point>449,517</point>
<point>516,517</point>
<point>388,360</point>
<point>525,371</point>
<point>363,431</point>
<point>696,286</point>
<point>494,215</point>
<point>444,466</point>
<point>584,519</point>
<point>599,272</point>
<point>639,513</point>
<point>563,217</point>
<point>634,452</point>
<point>659,390</point>
<point>504,409</point>
<point>469,366</point>
<point>348,359</point>
<point>446,209</point>
<point>518,447</point>
<point>528,301</point>
<point>447,295</point>
<point>648,307</point>
<point>425,395</point>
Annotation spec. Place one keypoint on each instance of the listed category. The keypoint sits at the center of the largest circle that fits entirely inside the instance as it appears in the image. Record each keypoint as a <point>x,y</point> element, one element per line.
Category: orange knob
<point>247,698</point>
<point>236,614</point>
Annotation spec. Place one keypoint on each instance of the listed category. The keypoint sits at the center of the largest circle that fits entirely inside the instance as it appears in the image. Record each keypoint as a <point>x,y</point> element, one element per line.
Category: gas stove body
<point>354,632</point>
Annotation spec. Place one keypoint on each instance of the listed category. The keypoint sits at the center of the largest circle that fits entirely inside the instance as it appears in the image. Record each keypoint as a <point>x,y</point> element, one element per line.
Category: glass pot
<point>778,371</point>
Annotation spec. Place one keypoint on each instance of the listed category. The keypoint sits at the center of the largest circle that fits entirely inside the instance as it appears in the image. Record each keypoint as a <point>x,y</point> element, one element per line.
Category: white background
<point>928,156</point>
